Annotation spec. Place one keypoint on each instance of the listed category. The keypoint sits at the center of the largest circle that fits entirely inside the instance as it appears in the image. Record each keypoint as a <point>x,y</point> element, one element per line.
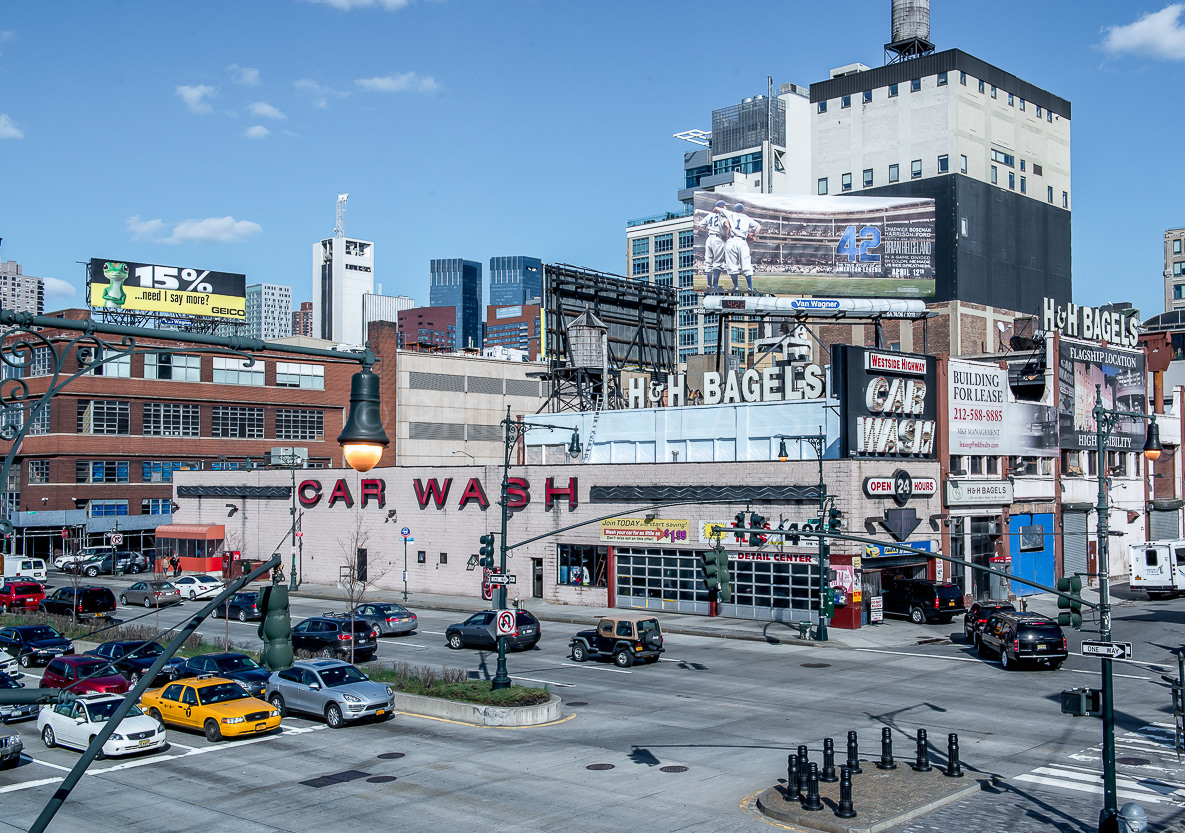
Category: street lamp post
<point>1105,422</point>
<point>819,443</point>
<point>512,431</point>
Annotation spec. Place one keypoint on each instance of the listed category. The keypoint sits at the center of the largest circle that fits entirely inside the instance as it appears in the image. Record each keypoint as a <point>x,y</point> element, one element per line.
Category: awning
<point>885,562</point>
<point>192,532</point>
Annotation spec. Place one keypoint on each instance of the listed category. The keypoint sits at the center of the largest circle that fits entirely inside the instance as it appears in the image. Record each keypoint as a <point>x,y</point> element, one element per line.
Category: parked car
<point>480,630</point>
<point>34,644</point>
<point>11,747</point>
<point>99,565</point>
<point>923,600</point>
<point>80,602</point>
<point>330,636</point>
<point>625,638</point>
<point>330,688</point>
<point>9,665</point>
<point>75,725</point>
<point>979,612</point>
<point>16,566</point>
<point>84,554</point>
<point>8,714</point>
<point>150,594</point>
<point>193,587</point>
<point>241,606</point>
<point>1018,638</point>
<point>135,562</point>
<point>20,595</point>
<point>231,666</point>
<point>132,658</point>
<point>83,675</point>
<point>217,706</point>
<point>389,619</point>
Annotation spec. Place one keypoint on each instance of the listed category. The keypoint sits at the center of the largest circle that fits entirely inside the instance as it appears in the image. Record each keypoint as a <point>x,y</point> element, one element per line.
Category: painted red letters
<point>374,489</point>
<point>341,492</point>
<point>309,493</point>
<point>551,492</point>
<point>518,492</point>
<point>473,491</point>
<point>433,491</point>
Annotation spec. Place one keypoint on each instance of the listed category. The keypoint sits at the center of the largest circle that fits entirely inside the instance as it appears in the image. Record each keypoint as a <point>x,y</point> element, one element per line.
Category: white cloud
<point>348,5</point>
<point>265,110</point>
<point>9,129</point>
<point>320,92</point>
<point>195,98</point>
<point>404,82</point>
<point>1154,35</point>
<point>243,75</point>
<point>58,289</point>
<point>209,230</point>
<point>257,132</point>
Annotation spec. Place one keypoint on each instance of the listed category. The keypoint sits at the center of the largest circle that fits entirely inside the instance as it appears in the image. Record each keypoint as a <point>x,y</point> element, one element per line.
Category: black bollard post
<point>828,772</point>
<point>954,769</point>
<point>792,793</point>
<point>853,763</point>
<point>845,810</point>
<point>803,759</point>
<point>812,802</point>
<point>886,761</point>
<point>922,763</point>
<point>802,773</point>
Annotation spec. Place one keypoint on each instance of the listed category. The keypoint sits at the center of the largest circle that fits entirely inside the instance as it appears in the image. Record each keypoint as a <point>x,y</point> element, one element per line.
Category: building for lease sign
<point>984,418</point>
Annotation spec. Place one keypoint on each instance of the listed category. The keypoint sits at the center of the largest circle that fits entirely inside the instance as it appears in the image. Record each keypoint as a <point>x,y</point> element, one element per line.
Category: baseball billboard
<point>985,418</point>
<point>173,290</point>
<point>1118,375</point>
<point>869,247</point>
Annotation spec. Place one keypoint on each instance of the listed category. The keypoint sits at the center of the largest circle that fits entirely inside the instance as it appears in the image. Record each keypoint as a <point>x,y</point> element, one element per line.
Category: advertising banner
<point>878,550</point>
<point>888,403</point>
<point>638,530</point>
<point>1084,367</point>
<point>840,247</point>
<point>174,290</point>
<point>985,418</point>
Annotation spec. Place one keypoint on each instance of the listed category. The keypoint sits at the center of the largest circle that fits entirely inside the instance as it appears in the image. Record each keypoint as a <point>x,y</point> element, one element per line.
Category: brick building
<point>516,327</point>
<point>302,319</point>
<point>428,328</point>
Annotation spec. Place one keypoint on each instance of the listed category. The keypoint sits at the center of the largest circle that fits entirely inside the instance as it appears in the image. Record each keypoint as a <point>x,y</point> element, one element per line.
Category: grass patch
<point>97,631</point>
<point>453,684</point>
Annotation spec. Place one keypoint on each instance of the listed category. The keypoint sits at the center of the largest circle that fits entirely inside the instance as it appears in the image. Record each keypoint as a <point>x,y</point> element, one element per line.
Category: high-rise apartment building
<point>457,283</point>
<point>515,280</point>
<point>269,311</point>
<point>20,292</point>
<point>302,319</point>
<point>343,271</point>
<point>1174,269</point>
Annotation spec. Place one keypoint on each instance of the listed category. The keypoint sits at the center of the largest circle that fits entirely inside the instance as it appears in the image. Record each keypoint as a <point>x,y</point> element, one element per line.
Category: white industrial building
<point>343,272</point>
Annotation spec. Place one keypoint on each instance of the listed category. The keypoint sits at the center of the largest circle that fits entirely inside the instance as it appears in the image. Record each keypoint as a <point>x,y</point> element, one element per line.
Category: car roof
<point>221,655</point>
<point>75,659</point>
<point>319,664</point>
<point>20,584</point>
<point>97,697</point>
<point>631,617</point>
<point>1026,618</point>
<point>24,628</point>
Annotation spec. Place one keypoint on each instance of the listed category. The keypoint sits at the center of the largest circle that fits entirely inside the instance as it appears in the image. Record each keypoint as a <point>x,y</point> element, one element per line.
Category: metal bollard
<point>853,763</point>
<point>803,758</point>
<point>812,801</point>
<point>886,761</point>
<point>954,769</point>
<point>792,793</point>
<point>802,772</point>
<point>845,810</point>
<point>828,772</point>
<point>922,763</point>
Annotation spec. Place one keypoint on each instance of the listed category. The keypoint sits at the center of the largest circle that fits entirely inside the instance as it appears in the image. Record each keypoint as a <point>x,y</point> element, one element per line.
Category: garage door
<point>1164,524</point>
<point>1074,543</point>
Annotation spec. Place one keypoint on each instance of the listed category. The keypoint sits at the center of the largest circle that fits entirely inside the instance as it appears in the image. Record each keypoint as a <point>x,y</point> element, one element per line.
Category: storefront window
<point>585,566</point>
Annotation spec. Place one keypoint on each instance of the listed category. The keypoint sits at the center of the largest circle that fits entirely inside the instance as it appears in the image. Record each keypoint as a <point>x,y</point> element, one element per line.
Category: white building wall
<point>351,277</point>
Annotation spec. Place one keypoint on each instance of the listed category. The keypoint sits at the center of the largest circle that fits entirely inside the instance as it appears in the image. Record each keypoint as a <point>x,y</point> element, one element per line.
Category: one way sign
<point>1113,650</point>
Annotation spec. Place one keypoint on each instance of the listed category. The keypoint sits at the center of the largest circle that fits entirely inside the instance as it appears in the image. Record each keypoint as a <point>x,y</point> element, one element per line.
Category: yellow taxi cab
<point>218,706</point>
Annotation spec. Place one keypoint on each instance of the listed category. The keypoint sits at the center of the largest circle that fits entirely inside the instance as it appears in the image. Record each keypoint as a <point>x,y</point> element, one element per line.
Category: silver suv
<point>330,688</point>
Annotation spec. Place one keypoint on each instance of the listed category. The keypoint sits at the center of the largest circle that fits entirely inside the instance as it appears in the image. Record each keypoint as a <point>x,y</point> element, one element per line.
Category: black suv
<point>1022,637</point>
<point>80,602</point>
<point>978,614</point>
<point>330,636</point>
<point>923,600</point>
<point>232,666</point>
<point>480,629</point>
<point>133,657</point>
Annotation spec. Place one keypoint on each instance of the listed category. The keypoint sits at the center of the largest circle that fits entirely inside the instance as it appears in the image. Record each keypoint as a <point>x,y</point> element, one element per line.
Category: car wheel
<point>213,733</point>
<point>25,660</point>
<point>917,616</point>
<point>623,659</point>
<point>242,615</point>
<point>1004,659</point>
<point>3,607</point>
<point>192,595</point>
<point>98,755</point>
<point>123,600</point>
<point>579,652</point>
<point>333,716</point>
<point>47,737</point>
<point>278,704</point>
<point>92,572</point>
<point>327,653</point>
<point>154,713</point>
<point>455,641</point>
<point>147,602</point>
<point>134,679</point>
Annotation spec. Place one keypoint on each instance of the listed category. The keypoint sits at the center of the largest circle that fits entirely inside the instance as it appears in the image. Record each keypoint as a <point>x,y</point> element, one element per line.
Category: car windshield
<point>221,693</point>
<point>342,675</point>
<point>524,618</point>
<point>949,592</point>
<point>161,585</point>
<point>8,682</point>
<point>25,590</point>
<point>206,579</point>
<point>1046,632</point>
<point>41,632</point>
<point>145,649</point>
<point>388,610</point>
<point>231,664</point>
<point>105,708</point>
<point>646,626</point>
<point>94,669</point>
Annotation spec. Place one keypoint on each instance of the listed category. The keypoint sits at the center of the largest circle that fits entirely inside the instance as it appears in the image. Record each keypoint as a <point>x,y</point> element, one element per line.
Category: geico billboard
<point>174,290</point>
<point>871,247</point>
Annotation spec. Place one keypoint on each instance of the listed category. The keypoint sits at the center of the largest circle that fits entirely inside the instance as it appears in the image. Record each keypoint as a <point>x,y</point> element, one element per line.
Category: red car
<point>83,675</point>
<point>20,595</point>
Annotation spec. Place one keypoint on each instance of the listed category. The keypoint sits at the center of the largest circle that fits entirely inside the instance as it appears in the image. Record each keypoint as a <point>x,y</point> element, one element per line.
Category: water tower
<point>911,31</point>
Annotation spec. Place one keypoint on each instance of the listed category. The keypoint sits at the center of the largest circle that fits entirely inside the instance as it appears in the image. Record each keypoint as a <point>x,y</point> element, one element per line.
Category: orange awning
<point>192,532</point>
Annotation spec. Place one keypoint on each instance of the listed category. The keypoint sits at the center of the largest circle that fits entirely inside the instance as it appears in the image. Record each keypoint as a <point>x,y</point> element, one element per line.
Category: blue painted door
<point>1035,565</point>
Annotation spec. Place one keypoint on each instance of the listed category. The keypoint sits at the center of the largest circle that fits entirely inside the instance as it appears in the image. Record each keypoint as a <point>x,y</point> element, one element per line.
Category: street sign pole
<point>405,568</point>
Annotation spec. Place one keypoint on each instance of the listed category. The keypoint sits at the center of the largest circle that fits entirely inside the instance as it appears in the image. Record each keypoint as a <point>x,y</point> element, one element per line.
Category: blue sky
<point>218,134</point>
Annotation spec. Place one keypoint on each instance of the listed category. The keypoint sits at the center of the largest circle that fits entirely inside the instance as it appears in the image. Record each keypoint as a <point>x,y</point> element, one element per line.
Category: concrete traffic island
<point>476,714</point>
<point>882,800</point>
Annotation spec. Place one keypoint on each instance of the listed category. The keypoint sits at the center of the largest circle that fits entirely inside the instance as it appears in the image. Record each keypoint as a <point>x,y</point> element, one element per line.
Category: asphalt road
<point>727,710</point>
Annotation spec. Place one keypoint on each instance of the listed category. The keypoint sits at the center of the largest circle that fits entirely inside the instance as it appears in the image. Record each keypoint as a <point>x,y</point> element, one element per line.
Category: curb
<point>474,714</point>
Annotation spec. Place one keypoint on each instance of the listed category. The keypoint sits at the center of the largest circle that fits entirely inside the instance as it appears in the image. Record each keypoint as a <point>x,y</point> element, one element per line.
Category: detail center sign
<point>889,403</point>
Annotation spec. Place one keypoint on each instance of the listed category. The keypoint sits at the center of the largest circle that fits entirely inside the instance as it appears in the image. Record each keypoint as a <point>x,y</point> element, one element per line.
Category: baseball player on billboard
<point>743,230</point>
<point>718,227</point>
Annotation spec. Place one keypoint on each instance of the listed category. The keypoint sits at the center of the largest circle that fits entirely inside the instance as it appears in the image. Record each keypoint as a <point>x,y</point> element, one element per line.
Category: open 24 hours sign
<point>641,531</point>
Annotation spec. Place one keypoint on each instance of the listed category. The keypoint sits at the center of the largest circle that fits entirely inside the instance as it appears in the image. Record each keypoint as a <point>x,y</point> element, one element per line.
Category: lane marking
<point>548,682</point>
<point>179,745</point>
<point>927,656</point>
<point>405,645</point>
<point>594,668</point>
<point>1153,798</point>
<point>1125,676</point>
<point>46,763</point>
<point>434,633</point>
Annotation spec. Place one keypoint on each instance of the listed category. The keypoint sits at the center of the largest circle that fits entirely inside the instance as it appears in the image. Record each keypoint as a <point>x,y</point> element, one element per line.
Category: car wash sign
<point>888,402</point>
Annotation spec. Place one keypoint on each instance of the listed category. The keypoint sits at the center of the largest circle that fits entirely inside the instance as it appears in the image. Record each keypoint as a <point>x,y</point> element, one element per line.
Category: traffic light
<point>835,519</point>
<point>738,522</point>
<point>1081,701</point>
<point>1072,608</point>
<point>710,569</point>
<point>487,550</point>
<point>724,591</point>
<point>756,539</point>
<point>276,628</point>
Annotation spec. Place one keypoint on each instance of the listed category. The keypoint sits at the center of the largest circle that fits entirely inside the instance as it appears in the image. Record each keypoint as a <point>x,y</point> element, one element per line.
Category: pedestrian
<point>176,566</point>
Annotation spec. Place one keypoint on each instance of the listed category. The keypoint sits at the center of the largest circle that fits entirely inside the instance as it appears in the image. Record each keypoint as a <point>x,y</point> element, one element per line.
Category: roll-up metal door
<point>1164,524</point>
<point>1073,543</point>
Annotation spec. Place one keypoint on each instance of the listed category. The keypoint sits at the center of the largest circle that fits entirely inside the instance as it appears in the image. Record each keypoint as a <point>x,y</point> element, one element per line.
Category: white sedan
<point>75,724</point>
<point>193,587</point>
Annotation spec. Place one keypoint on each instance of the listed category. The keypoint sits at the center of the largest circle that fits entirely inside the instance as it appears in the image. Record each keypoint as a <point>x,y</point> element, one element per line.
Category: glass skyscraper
<point>515,280</point>
<point>457,283</point>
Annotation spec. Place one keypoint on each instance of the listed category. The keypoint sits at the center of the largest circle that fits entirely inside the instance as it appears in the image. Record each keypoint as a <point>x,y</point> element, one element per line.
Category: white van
<point>1158,568</point>
<point>17,566</point>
